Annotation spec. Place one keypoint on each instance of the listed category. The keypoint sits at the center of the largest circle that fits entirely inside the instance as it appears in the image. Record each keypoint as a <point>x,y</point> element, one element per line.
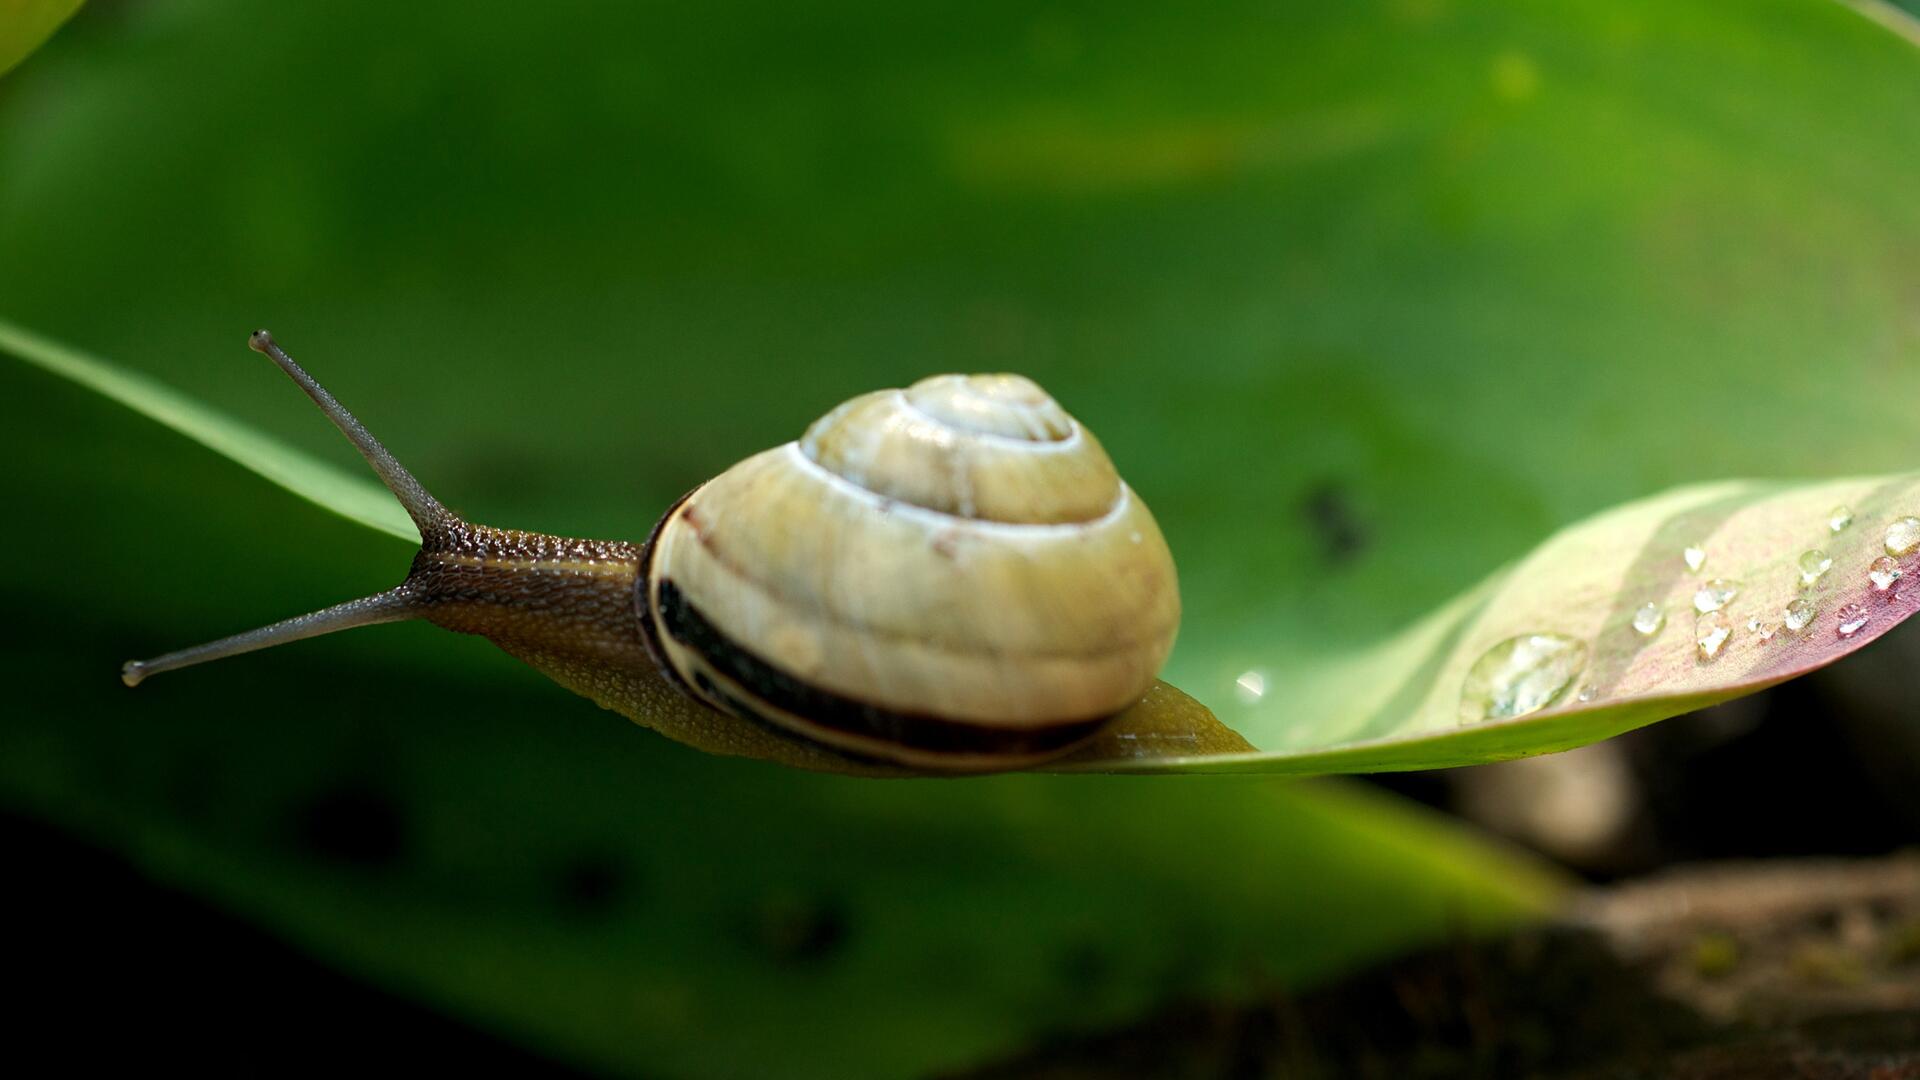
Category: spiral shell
<point>952,576</point>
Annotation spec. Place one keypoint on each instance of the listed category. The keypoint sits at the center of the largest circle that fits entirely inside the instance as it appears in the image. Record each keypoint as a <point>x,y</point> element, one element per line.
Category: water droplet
<point>1851,619</point>
<point>1520,675</point>
<point>1585,694</point>
<point>1250,687</point>
<point>1883,572</point>
<point>1814,566</point>
<point>1715,595</point>
<point>1649,619</point>
<point>1839,518</point>
<point>1799,614</point>
<point>1695,557</point>
<point>1903,536</point>
<point>1711,632</point>
<point>1762,629</point>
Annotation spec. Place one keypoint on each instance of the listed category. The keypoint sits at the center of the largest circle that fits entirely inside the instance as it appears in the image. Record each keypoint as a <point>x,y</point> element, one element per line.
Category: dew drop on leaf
<point>1839,518</point>
<point>1520,675</point>
<point>1715,595</point>
<point>1883,572</point>
<point>1852,618</point>
<point>1585,694</point>
<point>1710,633</point>
<point>1695,557</point>
<point>1814,565</point>
<point>1649,619</point>
<point>1799,614</point>
<point>1250,687</point>
<point>1903,536</point>
<point>1763,629</point>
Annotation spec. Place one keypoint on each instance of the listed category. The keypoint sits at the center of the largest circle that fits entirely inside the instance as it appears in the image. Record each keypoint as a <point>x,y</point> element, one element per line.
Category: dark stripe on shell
<point>740,709</point>
<point>642,607</point>
<point>920,731</point>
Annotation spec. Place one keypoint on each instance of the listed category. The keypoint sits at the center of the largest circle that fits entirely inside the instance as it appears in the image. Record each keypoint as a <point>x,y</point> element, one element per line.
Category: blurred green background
<point>1364,299</point>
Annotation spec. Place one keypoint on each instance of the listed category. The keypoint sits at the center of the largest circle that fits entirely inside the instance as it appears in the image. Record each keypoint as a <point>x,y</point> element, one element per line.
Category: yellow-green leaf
<point>24,24</point>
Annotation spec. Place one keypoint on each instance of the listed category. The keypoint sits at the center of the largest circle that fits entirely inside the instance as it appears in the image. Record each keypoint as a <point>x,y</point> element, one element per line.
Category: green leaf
<point>353,498</point>
<point>1902,17</point>
<point>424,813</point>
<point>24,24</point>
<point>622,901</point>
<point>1634,634</point>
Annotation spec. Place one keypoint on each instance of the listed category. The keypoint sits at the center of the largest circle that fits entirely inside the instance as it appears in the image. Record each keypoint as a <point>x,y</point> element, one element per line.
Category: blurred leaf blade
<point>354,498</point>
<point>1900,17</point>
<point>24,24</point>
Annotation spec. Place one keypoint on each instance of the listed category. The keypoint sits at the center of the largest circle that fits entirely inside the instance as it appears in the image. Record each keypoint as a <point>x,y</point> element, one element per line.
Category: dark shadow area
<point>115,973</point>
<point>1808,970</point>
<point>1806,768</point>
<point>1552,1001</point>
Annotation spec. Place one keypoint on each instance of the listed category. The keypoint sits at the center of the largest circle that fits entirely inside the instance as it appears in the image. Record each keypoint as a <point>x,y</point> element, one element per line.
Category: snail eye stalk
<point>393,605</point>
<point>423,508</point>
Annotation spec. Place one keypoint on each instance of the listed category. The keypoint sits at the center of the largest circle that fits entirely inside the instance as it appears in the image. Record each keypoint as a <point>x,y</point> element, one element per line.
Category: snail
<point>948,578</point>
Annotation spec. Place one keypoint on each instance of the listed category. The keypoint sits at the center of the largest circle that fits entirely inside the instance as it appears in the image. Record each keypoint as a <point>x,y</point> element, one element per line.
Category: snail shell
<point>950,576</point>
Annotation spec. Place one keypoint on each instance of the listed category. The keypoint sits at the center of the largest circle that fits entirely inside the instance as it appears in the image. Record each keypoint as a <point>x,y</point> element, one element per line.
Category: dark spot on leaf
<point>355,823</point>
<point>591,886</point>
<point>1335,525</point>
<point>797,930</point>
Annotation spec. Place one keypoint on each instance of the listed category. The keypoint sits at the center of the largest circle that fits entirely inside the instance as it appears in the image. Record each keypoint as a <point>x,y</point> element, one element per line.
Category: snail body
<point>947,578</point>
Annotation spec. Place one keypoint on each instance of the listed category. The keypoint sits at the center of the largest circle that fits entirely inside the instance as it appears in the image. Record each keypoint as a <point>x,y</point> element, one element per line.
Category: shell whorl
<point>950,576</point>
<point>983,447</point>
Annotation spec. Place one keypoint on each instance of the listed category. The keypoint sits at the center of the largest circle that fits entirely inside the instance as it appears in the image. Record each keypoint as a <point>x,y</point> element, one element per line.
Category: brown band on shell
<point>643,606</point>
<point>712,693</point>
<point>680,619</point>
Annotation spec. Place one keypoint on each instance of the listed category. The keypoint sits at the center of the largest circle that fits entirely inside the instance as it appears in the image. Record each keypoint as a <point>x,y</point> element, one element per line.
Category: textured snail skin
<point>565,607</point>
<point>949,577</point>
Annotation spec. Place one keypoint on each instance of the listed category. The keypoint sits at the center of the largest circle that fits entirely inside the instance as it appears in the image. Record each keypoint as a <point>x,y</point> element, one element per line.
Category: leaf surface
<point>1641,635</point>
<point>352,497</point>
<point>24,24</point>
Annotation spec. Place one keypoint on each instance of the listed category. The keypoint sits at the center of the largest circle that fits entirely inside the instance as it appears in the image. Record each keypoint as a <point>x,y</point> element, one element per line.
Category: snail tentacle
<point>422,507</point>
<point>395,605</point>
